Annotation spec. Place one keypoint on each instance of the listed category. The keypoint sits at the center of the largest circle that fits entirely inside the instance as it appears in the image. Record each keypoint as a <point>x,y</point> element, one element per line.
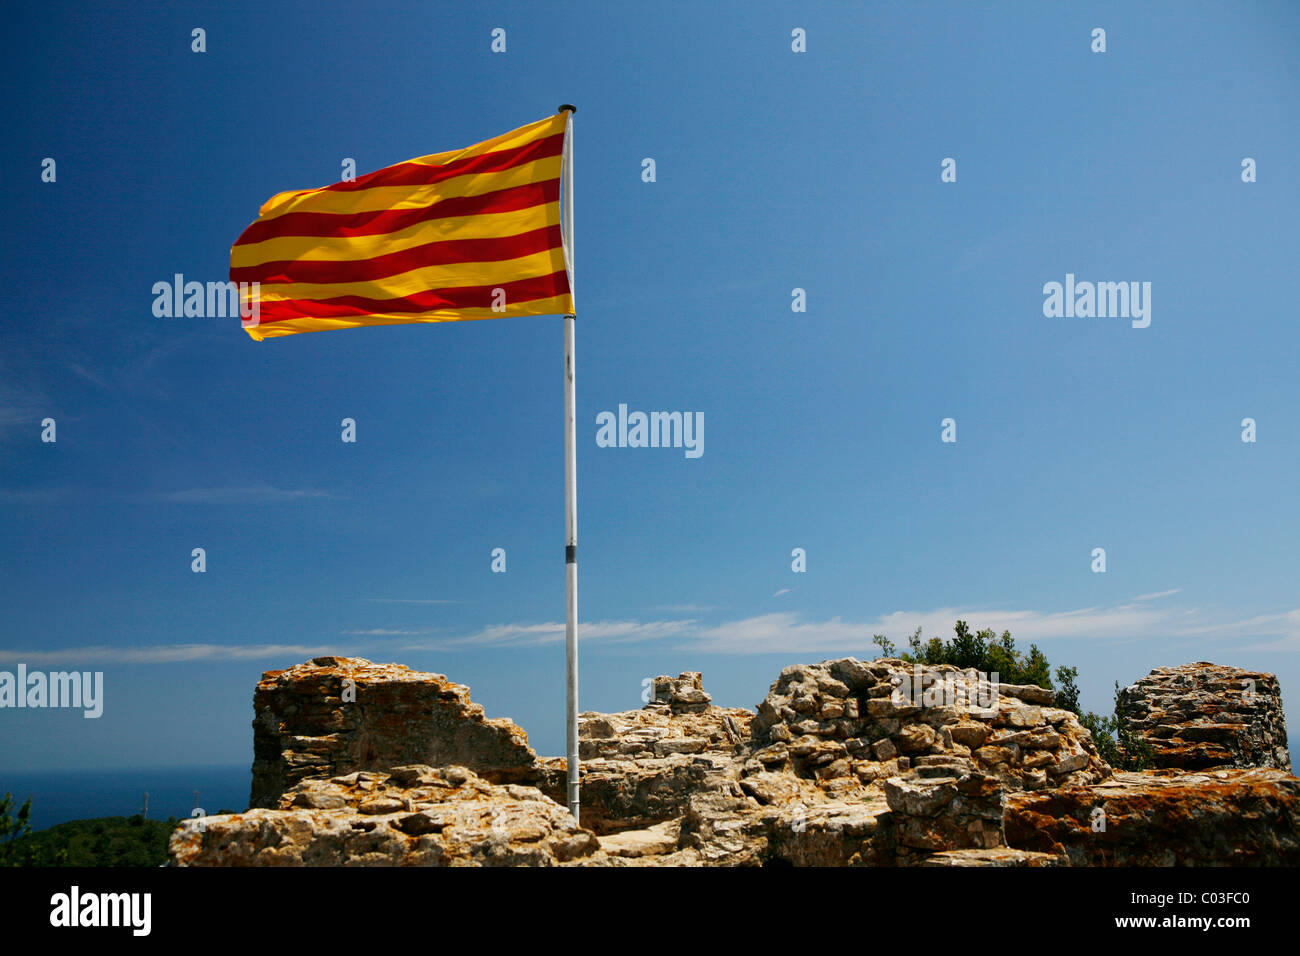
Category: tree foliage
<point>12,826</point>
<point>986,652</point>
<point>99,841</point>
<point>1115,742</point>
<point>983,650</point>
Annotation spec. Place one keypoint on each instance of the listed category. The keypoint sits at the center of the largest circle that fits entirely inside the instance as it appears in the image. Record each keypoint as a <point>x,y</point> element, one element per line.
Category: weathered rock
<point>1000,856</point>
<point>803,828</point>
<point>931,814</point>
<point>658,840</point>
<point>683,694</point>
<point>634,794</point>
<point>659,729</point>
<point>431,818</point>
<point>639,767</point>
<point>847,763</point>
<point>1201,716</point>
<point>889,707</point>
<point>1164,818</point>
<point>339,714</point>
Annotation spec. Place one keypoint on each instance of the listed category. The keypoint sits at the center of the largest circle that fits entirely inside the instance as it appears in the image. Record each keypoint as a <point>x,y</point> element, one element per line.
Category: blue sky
<point>775,171</point>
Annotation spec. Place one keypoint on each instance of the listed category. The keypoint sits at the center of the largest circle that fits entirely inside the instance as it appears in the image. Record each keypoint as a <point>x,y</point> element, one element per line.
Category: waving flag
<point>469,234</point>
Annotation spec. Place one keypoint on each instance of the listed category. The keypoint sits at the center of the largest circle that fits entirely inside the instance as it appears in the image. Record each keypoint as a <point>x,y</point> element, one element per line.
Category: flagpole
<point>570,481</point>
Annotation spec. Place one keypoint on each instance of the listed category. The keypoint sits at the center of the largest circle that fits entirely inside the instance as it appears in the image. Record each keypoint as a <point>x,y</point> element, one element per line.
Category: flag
<point>468,234</point>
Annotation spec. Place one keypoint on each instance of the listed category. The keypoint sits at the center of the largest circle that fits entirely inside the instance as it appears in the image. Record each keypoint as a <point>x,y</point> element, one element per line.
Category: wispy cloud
<point>251,495</point>
<point>21,404</point>
<point>16,415</point>
<point>785,633</point>
<point>782,591</point>
<point>1157,594</point>
<point>531,635</point>
<point>407,601</point>
<point>788,632</point>
<point>79,370</point>
<point>30,496</point>
<point>166,654</point>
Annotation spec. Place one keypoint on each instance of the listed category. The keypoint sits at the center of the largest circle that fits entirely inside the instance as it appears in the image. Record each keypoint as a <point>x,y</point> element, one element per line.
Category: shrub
<point>983,650</point>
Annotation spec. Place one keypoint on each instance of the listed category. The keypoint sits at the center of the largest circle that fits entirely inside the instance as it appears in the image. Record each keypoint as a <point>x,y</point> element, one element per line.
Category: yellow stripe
<point>557,305</point>
<point>522,136</point>
<point>381,198</point>
<point>281,202</point>
<point>420,280</point>
<point>495,225</point>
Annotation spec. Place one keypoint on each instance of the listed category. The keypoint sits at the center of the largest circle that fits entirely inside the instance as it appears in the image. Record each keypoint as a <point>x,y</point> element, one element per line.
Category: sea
<point>62,795</point>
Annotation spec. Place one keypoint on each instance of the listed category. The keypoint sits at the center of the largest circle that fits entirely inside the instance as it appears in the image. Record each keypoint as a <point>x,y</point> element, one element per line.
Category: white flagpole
<point>570,480</point>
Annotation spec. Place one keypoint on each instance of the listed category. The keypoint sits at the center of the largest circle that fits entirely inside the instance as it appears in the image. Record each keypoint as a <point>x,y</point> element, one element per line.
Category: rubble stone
<point>420,816</point>
<point>1202,716</point>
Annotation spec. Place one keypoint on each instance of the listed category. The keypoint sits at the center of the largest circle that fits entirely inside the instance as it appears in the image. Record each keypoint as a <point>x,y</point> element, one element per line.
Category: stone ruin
<point>845,762</point>
<point>334,715</point>
<point>944,743</point>
<point>1201,716</point>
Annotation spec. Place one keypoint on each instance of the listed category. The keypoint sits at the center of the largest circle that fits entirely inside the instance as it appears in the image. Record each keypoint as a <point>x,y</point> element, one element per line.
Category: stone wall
<point>1202,716</point>
<point>954,808</point>
<point>845,722</point>
<point>335,715</point>
<point>640,767</point>
<point>408,816</point>
<point>846,764</point>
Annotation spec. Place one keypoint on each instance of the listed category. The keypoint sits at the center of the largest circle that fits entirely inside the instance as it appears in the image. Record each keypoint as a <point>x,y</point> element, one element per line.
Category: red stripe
<point>381,221</point>
<point>446,252</point>
<point>419,174</point>
<point>462,297</point>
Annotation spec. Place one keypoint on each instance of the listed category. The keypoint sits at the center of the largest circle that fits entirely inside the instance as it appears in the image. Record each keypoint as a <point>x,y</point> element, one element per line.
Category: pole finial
<point>567,108</point>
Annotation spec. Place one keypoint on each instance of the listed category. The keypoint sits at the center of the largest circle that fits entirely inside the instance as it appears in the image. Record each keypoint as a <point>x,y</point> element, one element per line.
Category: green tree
<point>1116,743</point>
<point>12,827</point>
<point>1067,696</point>
<point>984,651</point>
<point>989,653</point>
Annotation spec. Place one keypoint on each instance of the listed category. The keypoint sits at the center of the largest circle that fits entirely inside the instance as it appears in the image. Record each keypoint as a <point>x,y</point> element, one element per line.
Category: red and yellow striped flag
<point>441,238</point>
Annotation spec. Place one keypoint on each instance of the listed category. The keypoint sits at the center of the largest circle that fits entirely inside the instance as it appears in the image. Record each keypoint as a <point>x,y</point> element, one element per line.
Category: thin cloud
<point>687,608</point>
<point>536,635</point>
<point>782,591</point>
<point>258,494</point>
<point>407,601</point>
<point>22,407</point>
<point>86,374</point>
<point>1157,594</point>
<point>30,496</point>
<point>787,632</point>
<point>166,654</point>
